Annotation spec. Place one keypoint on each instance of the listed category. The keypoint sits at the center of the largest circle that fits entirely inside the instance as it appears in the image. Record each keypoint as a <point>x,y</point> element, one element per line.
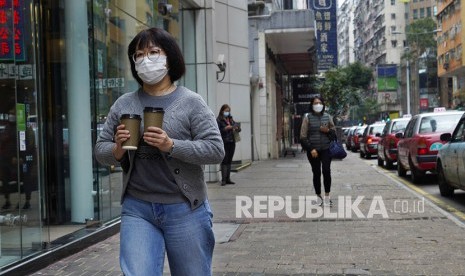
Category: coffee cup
<point>131,122</point>
<point>153,116</point>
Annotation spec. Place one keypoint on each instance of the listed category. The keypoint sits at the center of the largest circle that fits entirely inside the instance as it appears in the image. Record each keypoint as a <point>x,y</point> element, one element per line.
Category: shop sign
<point>326,28</point>
<point>19,72</point>
<point>109,83</point>
<point>12,34</point>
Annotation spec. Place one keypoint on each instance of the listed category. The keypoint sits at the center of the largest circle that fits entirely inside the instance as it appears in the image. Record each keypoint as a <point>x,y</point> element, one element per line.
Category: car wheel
<point>444,188</point>
<point>367,156</point>
<point>417,175</point>
<point>400,169</point>
<point>362,154</point>
<point>347,147</point>
<point>389,165</point>
<point>380,162</point>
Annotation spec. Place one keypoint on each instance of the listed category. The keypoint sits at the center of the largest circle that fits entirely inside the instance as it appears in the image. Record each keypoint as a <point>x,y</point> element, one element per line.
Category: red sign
<point>423,103</point>
<point>12,30</point>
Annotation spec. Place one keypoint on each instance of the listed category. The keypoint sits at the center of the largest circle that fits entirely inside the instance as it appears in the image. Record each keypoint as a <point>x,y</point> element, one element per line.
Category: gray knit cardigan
<point>192,126</point>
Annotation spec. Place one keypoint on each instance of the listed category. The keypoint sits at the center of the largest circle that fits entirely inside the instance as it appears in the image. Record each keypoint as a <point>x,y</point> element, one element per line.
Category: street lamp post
<point>408,87</point>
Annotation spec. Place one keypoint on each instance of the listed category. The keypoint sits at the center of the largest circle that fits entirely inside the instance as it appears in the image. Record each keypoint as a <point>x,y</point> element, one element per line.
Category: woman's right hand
<point>314,153</point>
<point>121,136</point>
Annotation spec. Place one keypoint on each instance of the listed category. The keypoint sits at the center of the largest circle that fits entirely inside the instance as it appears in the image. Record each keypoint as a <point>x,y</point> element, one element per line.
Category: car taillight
<point>369,141</point>
<point>422,149</point>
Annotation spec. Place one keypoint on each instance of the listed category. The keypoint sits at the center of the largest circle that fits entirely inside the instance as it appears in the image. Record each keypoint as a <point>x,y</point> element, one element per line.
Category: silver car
<point>450,163</point>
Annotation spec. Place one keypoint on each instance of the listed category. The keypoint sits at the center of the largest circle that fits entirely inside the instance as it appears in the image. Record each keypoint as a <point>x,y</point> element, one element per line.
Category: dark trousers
<point>321,163</point>
<point>229,148</point>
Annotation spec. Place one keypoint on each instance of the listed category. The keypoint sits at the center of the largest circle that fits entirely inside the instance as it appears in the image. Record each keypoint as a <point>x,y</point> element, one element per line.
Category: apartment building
<point>379,35</point>
<point>345,33</point>
<point>451,58</point>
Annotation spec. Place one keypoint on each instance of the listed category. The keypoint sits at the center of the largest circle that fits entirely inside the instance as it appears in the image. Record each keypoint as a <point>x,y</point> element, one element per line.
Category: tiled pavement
<point>409,237</point>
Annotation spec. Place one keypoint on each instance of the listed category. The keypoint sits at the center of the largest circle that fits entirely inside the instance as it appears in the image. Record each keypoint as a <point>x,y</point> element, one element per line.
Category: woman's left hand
<point>324,129</point>
<point>157,137</point>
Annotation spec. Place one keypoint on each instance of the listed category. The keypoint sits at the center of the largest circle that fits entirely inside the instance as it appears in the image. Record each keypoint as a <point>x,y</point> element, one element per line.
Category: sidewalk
<point>411,240</point>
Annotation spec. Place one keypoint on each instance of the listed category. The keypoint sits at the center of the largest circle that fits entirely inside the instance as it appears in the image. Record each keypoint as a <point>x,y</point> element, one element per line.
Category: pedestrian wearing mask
<point>164,198</point>
<point>227,126</point>
<point>317,127</point>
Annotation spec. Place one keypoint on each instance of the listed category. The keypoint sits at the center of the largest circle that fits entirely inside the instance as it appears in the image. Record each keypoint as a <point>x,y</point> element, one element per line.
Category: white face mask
<point>152,72</point>
<point>317,108</point>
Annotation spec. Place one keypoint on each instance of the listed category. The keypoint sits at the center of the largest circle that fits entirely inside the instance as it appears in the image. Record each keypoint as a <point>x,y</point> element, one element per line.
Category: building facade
<point>62,65</point>
<point>282,51</point>
<point>379,35</point>
<point>345,33</point>
<point>451,66</point>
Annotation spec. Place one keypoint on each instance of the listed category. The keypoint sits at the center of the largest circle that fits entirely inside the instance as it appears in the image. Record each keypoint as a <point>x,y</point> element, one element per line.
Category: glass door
<point>20,221</point>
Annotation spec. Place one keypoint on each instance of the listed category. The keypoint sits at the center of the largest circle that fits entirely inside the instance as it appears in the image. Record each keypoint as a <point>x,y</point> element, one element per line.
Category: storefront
<point>62,65</point>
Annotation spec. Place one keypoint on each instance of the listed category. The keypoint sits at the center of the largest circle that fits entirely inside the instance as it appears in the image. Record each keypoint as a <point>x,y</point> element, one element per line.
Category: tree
<point>421,36</point>
<point>343,87</point>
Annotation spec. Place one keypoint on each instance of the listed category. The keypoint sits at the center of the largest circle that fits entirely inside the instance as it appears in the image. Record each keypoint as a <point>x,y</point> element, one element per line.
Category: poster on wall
<point>326,29</point>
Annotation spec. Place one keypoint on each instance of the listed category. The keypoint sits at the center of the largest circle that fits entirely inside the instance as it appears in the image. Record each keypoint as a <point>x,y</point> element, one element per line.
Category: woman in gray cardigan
<point>164,199</point>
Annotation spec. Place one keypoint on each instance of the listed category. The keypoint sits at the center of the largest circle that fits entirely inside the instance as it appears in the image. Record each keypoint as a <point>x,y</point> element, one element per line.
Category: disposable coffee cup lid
<point>131,116</point>
<point>153,109</point>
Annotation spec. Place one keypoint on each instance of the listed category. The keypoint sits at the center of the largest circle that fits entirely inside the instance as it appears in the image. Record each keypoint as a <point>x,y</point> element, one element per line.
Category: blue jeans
<point>150,229</point>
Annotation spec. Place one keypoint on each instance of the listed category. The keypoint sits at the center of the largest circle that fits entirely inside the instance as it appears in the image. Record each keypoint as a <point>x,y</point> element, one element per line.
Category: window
<point>422,12</point>
<point>415,14</point>
<point>459,133</point>
<point>393,16</point>
<point>409,128</point>
<point>398,126</point>
<point>394,43</point>
<point>428,12</point>
<point>393,2</point>
<point>393,29</point>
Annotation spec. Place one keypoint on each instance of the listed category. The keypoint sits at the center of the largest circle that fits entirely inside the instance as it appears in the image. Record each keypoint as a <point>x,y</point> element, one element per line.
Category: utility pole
<point>408,86</point>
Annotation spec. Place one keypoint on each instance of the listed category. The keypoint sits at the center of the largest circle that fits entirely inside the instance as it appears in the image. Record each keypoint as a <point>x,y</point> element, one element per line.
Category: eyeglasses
<point>152,55</point>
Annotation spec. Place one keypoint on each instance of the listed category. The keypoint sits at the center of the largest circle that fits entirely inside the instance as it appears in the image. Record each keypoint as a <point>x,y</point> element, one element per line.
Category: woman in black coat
<point>227,126</point>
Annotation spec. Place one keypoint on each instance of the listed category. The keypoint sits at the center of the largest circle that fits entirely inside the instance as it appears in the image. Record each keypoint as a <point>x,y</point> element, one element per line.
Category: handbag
<point>336,150</point>
<point>237,137</point>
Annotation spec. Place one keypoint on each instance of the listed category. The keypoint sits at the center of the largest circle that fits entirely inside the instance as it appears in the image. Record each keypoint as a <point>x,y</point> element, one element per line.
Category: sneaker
<point>319,200</point>
<point>327,201</point>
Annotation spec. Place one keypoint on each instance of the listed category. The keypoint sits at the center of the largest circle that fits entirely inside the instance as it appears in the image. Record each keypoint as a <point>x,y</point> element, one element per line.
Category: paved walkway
<point>401,235</point>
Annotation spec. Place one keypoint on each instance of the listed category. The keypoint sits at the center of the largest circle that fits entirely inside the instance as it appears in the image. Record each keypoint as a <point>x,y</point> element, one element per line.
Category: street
<point>429,189</point>
<point>379,225</point>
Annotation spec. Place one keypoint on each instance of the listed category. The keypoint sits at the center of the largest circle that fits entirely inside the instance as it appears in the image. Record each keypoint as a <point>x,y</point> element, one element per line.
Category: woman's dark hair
<point>322,102</point>
<point>160,38</point>
<point>223,107</point>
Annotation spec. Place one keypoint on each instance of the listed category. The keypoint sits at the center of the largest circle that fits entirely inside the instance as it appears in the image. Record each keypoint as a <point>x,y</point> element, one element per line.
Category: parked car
<point>355,143</point>
<point>349,137</point>
<point>345,133</point>
<point>450,163</point>
<point>369,140</point>
<point>419,145</point>
<point>387,146</point>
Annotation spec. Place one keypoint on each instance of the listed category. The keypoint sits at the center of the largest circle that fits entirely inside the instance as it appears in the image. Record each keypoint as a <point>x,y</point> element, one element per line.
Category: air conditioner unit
<point>445,65</point>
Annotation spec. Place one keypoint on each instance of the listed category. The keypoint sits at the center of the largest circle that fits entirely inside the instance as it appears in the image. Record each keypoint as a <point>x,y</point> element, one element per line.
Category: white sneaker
<point>327,201</point>
<point>319,200</point>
